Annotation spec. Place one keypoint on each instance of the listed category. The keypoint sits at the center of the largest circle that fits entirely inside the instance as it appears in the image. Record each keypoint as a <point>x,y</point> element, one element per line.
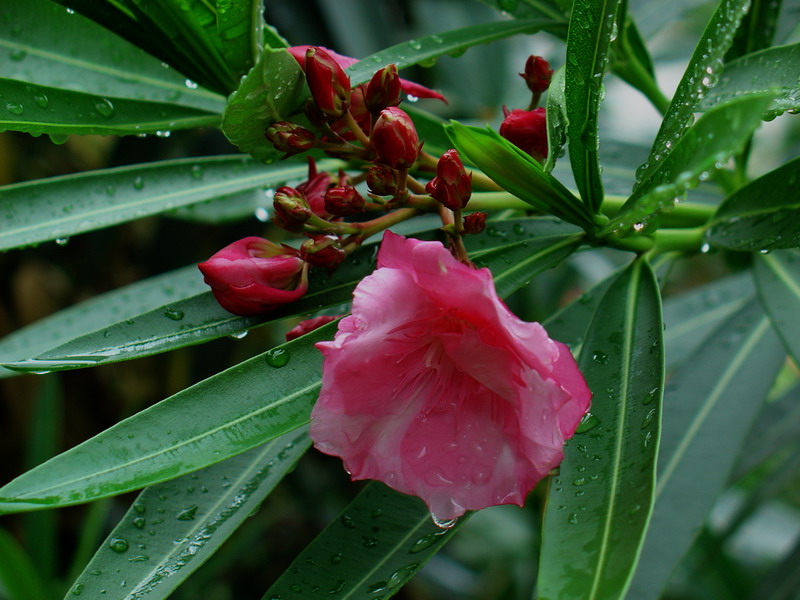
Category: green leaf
<point>569,324</point>
<point>38,109</point>
<point>601,499</point>
<point>172,528</point>
<point>757,29</point>
<point>369,551</point>
<point>770,70</point>
<point>427,48</point>
<point>517,172</point>
<point>222,416</point>
<point>239,29</point>
<point>762,215</point>
<point>717,135</point>
<point>99,312</point>
<point>60,207</point>
<point>514,250</point>
<point>590,28</point>
<point>49,47</point>
<point>712,399</point>
<point>527,9</point>
<point>700,75</point>
<point>691,316</point>
<point>430,128</point>
<point>272,91</point>
<point>556,119</point>
<point>778,278</point>
<point>18,574</point>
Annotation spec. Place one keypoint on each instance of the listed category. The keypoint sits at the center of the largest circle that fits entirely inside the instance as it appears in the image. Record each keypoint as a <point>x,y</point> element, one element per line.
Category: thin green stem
<point>683,214</point>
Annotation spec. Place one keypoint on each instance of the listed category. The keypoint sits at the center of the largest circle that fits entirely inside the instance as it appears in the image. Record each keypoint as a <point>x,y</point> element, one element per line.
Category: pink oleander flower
<point>307,326</point>
<point>408,87</point>
<point>254,276</point>
<point>434,387</point>
<point>527,129</point>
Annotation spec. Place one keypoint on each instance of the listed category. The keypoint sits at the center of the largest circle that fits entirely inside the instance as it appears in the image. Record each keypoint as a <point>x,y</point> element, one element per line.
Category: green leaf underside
<point>269,400</point>
<point>777,276</point>
<point>762,215</point>
<point>509,249</point>
<point>601,499</point>
<point>556,119</point>
<point>718,134</point>
<point>700,75</point>
<point>712,399</point>
<point>271,91</point>
<point>590,29</point>
<point>239,28</point>
<point>517,172</point>
<point>430,47</point>
<point>60,207</point>
<point>771,70</point>
<point>46,46</point>
<point>172,528</point>
<point>385,537</point>
<point>36,109</point>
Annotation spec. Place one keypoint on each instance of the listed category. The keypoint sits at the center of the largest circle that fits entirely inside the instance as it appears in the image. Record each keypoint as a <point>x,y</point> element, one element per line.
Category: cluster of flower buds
<point>527,129</point>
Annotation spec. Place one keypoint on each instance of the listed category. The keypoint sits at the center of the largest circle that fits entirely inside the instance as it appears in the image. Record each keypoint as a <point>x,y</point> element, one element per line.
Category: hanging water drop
<point>62,241</point>
<point>443,523</point>
<point>238,335</point>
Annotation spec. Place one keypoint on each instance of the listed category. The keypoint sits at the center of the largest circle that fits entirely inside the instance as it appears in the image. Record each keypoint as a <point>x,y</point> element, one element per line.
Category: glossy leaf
<point>99,312</point>
<point>430,47</point>
<point>60,207</point>
<point>556,119</point>
<point>771,70</point>
<point>757,29</point>
<point>700,75</point>
<point>517,172</point>
<point>515,250</point>
<point>274,393</point>
<point>253,402</point>
<point>38,109</point>
<point>762,215</point>
<point>590,28</point>
<point>569,325</point>
<point>601,499</point>
<point>172,528</point>
<point>369,551</point>
<point>272,90</point>
<point>530,8</point>
<point>47,46</point>
<point>778,278</point>
<point>239,29</point>
<point>718,134</point>
<point>712,399</point>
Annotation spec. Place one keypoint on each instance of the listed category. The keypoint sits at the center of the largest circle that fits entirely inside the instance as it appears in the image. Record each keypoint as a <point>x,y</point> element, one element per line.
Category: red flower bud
<point>452,186</point>
<point>289,137</point>
<point>329,84</point>
<point>309,325</point>
<point>527,129</point>
<point>395,138</point>
<point>343,201</point>
<point>537,74</point>
<point>253,276</point>
<point>382,180</point>
<point>475,222</point>
<point>384,89</point>
<point>291,209</point>
<point>324,251</point>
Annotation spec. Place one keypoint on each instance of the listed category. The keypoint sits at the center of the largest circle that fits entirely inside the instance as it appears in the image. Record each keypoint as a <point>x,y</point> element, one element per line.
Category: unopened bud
<point>384,89</point>
<point>291,209</point>
<point>289,137</point>
<point>382,180</point>
<point>323,251</point>
<point>537,74</point>
<point>329,84</point>
<point>395,138</point>
<point>343,201</point>
<point>475,222</point>
<point>452,185</point>
<point>527,129</point>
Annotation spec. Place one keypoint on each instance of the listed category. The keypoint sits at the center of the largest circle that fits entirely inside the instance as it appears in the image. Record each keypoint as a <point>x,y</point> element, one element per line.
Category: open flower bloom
<point>435,388</point>
<point>408,87</point>
<point>253,276</point>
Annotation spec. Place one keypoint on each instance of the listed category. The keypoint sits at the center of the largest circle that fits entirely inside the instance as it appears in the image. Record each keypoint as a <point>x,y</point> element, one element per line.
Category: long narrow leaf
<point>600,501</point>
<point>239,28</point>
<point>369,551</point>
<point>712,399</point>
<point>778,278</point>
<point>172,528</point>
